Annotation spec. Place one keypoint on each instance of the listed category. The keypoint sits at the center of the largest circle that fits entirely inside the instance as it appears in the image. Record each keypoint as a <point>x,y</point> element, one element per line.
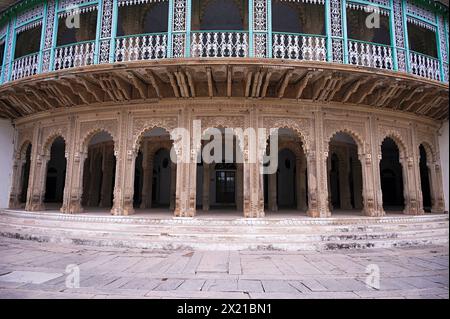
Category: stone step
<point>224,234</point>
<point>233,226</point>
<point>241,244</point>
<point>155,240</point>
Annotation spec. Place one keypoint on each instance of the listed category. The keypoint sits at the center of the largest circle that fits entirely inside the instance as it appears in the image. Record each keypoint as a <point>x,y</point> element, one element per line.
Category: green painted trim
<point>13,49</point>
<point>344,30</point>
<point>251,44</point>
<point>112,44</point>
<point>424,55</point>
<point>170,30</point>
<point>187,48</point>
<point>140,35</point>
<point>446,37</point>
<point>54,38</point>
<point>74,43</point>
<point>426,21</point>
<point>97,32</point>
<point>269,52</point>
<point>367,42</point>
<point>392,35</point>
<point>43,28</point>
<point>302,34</point>
<point>405,34</point>
<point>5,52</point>
<point>438,48</point>
<point>328,30</point>
<point>220,31</point>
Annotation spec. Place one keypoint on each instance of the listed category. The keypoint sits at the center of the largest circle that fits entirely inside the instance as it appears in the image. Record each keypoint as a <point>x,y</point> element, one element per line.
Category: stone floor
<point>30,269</point>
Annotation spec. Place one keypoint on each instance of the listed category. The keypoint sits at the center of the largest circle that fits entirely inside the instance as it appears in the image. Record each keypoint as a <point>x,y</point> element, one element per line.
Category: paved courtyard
<point>44,270</point>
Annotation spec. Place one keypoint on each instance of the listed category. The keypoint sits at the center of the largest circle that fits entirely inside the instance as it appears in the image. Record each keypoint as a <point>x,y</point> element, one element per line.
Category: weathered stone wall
<point>6,160</point>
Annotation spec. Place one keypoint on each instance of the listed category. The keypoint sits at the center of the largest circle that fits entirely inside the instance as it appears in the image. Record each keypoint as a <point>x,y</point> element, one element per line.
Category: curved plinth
<point>224,233</point>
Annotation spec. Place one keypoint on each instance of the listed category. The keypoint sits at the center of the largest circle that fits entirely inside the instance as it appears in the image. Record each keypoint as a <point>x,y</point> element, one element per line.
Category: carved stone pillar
<point>273,192</point>
<point>17,181</point>
<point>253,181</point>
<point>185,200</point>
<point>125,166</point>
<point>206,186</point>
<point>410,191</point>
<point>300,191</point>
<point>371,207</point>
<point>313,196</point>
<point>37,187</point>
<point>357,184</point>
<point>186,172</point>
<point>74,205</point>
<point>328,177</point>
<point>437,195</point>
<point>147,176</point>
<point>108,171</point>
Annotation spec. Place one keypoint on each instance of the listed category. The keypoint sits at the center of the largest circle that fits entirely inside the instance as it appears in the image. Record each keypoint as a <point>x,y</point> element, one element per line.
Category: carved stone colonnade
<point>314,125</point>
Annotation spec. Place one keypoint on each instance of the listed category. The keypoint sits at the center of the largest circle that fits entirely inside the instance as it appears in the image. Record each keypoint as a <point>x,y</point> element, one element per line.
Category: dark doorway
<point>225,187</point>
<point>425,180</point>
<point>25,175</point>
<point>391,176</point>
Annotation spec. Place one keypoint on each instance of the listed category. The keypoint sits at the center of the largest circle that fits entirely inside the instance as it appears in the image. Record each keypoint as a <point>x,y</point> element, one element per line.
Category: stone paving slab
<point>105,272</point>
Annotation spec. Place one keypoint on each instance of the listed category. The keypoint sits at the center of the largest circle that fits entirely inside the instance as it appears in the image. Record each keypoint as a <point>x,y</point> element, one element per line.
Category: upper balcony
<point>39,36</point>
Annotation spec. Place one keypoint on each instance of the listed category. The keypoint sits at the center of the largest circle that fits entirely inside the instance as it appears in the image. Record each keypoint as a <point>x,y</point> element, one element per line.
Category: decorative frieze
<point>30,14</point>
<point>418,10</point>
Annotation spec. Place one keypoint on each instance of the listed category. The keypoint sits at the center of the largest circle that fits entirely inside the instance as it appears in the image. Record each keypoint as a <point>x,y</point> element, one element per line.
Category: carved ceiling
<point>238,78</point>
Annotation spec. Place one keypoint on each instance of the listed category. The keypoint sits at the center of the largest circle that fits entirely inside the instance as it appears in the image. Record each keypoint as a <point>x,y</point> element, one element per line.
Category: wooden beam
<point>354,87</point>
<point>284,83</point>
<point>229,81</point>
<point>248,83</point>
<point>154,83</point>
<point>266,83</point>
<point>191,83</point>
<point>210,82</point>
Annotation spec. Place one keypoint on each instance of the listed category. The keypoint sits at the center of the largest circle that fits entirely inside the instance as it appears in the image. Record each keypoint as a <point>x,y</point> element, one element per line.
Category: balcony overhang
<point>187,79</point>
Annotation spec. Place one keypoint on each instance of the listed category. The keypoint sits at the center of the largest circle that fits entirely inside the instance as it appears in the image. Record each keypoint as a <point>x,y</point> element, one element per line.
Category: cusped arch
<point>359,141</point>
<point>138,140</point>
<point>91,133</point>
<point>50,140</point>
<point>398,140</point>
<point>429,151</point>
<point>300,127</point>
<point>21,155</point>
<point>142,126</point>
<point>293,147</point>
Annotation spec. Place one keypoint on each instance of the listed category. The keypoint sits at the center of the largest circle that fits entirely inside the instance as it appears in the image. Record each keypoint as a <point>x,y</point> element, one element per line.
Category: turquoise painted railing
<point>424,65</point>
<point>24,66</point>
<point>150,46</point>
<point>74,55</point>
<point>258,41</point>
<point>219,44</point>
<point>369,54</point>
<point>298,46</point>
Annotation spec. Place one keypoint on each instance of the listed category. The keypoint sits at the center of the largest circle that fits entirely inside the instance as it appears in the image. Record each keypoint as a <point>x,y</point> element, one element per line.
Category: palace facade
<point>357,88</point>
